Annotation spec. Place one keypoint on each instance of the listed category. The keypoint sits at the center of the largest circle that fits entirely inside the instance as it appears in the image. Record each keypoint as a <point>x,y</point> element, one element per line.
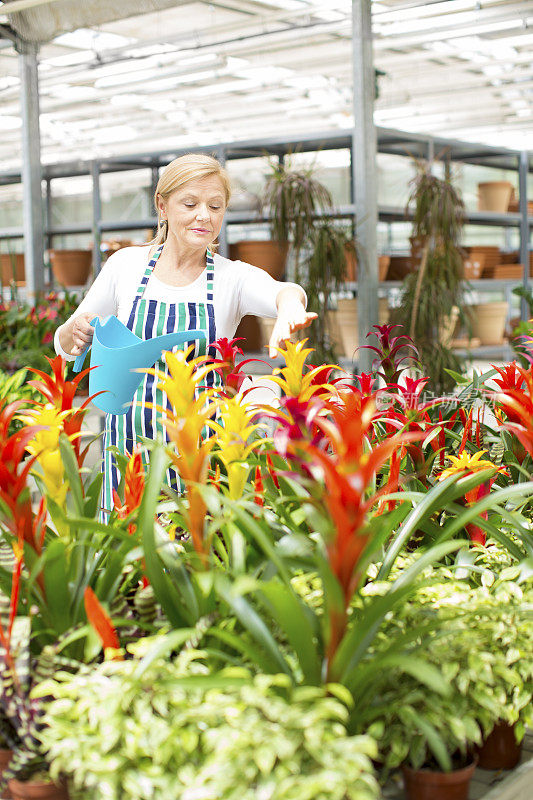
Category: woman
<point>177,283</point>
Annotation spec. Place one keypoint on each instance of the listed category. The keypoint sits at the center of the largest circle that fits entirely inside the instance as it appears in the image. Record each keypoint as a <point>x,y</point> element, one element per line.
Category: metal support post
<point>48,222</point>
<point>223,248</point>
<point>523,167</point>
<point>31,167</point>
<point>97,216</point>
<point>364,175</point>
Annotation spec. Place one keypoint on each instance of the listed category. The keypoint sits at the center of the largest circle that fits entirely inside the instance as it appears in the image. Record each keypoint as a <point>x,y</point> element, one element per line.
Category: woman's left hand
<point>289,320</point>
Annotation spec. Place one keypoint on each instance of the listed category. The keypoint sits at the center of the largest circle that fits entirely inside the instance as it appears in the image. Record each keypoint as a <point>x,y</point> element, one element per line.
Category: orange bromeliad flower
<point>100,621</point>
<point>350,468</point>
<point>468,464</point>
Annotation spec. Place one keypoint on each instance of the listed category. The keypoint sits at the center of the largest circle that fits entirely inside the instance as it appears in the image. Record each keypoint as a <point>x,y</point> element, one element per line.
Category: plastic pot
<point>500,750</point>
<point>494,196</point>
<point>5,758</point>
<point>488,323</point>
<point>37,790</point>
<point>426,784</point>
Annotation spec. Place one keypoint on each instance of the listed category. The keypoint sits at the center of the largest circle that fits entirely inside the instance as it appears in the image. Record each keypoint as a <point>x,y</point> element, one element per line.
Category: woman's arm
<point>292,316</point>
<point>76,333</point>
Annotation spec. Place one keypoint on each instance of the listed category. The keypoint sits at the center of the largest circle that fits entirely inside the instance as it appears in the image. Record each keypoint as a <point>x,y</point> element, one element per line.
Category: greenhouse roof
<point>193,73</point>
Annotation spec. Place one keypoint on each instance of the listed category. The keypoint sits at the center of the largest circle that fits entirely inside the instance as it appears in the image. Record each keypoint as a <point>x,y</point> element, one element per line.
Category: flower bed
<point>343,587</point>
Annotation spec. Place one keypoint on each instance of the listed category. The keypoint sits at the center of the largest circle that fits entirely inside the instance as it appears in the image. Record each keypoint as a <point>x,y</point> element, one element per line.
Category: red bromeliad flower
<point>259,488</point>
<point>515,400</point>
<point>350,466</point>
<point>14,492</point>
<point>297,424</point>
<point>272,471</point>
<point>133,490</point>
<point>231,372</point>
<point>60,393</point>
<point>134,481</point>
<point>392,351</point>
<point>410,413</point>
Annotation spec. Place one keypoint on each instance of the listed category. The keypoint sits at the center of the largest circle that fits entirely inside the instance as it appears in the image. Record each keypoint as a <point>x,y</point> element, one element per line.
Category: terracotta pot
<point>71,267</point>
<point>473,267</point>
<point>249,329</point>
<point>351,266</point>
<point>37,790</point>
<point>5,758</point>
<point>399,267</point>
<point>347,323</point>
<point>270,256</point>
<point>425,784</point>
<point>500,750</point>
<point>488,322</point>
<point>350,274</point>
<point>383,267</point>
<point>494,196</point>
<point>10,263</point>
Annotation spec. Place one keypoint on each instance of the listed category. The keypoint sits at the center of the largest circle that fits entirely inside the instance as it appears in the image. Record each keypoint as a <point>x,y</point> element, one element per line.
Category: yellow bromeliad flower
<point>45,446</point>
<point>293,381</point>
<point>182,384</point>
<point>471,462</point>
<point>235,428</point>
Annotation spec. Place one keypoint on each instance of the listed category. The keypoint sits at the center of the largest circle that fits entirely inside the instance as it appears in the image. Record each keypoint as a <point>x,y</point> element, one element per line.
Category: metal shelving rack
<point>388,141</point>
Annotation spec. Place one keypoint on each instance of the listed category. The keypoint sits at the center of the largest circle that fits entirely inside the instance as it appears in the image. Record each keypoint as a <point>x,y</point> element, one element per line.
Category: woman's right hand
<point>82,332</point>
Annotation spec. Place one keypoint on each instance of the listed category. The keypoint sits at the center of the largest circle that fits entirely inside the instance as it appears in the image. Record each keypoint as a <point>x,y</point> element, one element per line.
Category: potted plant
<point>478,638</point>
<point>430,293</point>
<point>292,198</point>
<point>202,734</point>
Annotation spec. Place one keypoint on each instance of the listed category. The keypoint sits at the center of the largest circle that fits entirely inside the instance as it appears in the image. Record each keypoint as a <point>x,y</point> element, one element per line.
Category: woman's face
<point>195,212</point>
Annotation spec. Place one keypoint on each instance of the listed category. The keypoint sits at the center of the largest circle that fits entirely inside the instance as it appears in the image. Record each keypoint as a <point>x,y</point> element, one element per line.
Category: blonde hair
<point>190,167</point>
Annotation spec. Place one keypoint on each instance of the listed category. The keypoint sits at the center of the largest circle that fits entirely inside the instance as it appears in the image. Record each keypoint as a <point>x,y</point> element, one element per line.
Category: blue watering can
<point>116,353</point>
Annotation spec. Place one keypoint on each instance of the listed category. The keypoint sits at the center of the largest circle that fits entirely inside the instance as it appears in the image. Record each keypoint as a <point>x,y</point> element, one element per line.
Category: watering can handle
<point>78,364</point>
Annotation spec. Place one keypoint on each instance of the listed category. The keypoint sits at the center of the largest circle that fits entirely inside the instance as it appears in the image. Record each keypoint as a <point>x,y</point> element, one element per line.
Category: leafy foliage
<point>172,730</point>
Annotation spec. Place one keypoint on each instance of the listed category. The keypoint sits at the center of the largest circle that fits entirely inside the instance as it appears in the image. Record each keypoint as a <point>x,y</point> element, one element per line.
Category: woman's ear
<point>161,207</point>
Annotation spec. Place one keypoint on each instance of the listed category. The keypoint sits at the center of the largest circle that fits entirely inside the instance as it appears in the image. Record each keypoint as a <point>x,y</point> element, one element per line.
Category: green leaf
<point>251,621</point>
<point>434,740</point>
<point>55,572</point>
<point>163,588</point>
<point>292,617</point>
<point>72,472</point>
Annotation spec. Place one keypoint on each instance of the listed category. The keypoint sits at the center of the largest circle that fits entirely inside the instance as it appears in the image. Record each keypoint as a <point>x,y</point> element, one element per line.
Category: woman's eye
<point>190,205</point>
<point>215,208</point>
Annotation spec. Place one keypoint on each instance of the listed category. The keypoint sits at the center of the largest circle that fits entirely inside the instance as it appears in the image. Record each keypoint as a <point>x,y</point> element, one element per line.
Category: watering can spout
<point>117,354</point>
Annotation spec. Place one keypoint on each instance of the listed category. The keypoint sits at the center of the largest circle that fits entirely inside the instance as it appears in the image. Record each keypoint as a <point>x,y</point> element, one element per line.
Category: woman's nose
<point>202,212</point>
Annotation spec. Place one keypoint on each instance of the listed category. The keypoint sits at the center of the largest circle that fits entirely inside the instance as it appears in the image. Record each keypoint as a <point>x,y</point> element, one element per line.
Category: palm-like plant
<point>430,294</point>
<point>294,197</point>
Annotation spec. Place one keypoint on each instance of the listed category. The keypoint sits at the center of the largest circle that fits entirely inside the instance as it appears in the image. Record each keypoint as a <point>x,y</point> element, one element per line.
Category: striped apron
<point>149,318</point>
